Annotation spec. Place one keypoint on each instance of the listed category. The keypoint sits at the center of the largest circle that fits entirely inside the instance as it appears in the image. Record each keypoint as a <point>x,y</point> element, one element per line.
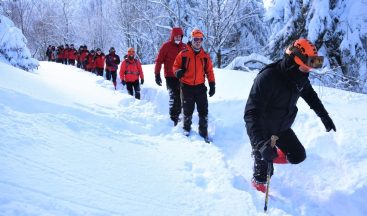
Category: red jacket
<point>198,66</point>
<point>168,53</point>
<point>99,60</point>
<point>82,56</point>
<point>61,54</point>
<point>72,54</point>
<point>89,59</point>
<point>130,70</point>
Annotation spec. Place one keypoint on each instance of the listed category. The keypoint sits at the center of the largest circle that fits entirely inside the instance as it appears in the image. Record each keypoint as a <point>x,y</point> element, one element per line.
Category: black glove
<point>211,89</point>
<point>158,79</point>
<point>142,81</point>
<point>179,73</point>
<point>328,123</point>
<point>267,152</point>
<point>123,82</point>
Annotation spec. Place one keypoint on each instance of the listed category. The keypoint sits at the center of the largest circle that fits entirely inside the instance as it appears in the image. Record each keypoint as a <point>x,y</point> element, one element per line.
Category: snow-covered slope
<point>71,145</point>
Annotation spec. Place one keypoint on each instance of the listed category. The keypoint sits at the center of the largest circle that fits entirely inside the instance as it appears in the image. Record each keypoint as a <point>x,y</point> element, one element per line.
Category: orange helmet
<point>305,55</point>
<point>196,33</point>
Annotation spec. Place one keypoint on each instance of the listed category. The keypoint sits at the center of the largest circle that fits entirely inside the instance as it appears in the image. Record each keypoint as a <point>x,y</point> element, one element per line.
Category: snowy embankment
<point>71,145</point>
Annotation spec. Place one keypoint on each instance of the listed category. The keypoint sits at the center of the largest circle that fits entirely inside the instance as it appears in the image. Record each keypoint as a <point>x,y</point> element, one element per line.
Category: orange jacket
<point>197,66</point>
<point>130,70</point>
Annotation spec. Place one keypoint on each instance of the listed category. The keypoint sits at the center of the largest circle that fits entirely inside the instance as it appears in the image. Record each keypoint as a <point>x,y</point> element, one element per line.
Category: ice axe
<point>273,140</point>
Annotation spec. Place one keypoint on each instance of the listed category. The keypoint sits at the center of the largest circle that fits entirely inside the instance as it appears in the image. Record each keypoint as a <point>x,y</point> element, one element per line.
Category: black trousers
<point>112,74</point>
<point>133,87</point>
<point>195,95</point>
<point>173,87</point>
<point>72,62</point>
<point>289,144</point>
<point>99,71</point>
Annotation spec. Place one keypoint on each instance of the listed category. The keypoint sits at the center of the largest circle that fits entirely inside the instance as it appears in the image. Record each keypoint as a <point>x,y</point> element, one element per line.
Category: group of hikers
<point>270,109</point>
<point>97,62</point>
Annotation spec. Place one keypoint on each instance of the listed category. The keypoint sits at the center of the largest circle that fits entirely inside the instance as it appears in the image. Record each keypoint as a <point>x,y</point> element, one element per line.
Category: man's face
<point>177,38</point>
<point>197,43</point>
<point>131,54</point>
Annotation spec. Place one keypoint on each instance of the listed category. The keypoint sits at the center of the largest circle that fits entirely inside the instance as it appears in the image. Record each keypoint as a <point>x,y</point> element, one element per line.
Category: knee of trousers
<point>298,158</point>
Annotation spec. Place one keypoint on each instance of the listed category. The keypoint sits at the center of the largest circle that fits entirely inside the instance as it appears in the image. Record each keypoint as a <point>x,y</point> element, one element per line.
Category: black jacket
<point>271,105</point>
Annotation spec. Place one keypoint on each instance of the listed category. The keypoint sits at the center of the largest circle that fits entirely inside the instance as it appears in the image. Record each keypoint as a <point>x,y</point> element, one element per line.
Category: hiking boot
<point>186,132</point>
<point>203,133</point>
<point>281,159</point>
<point>260,186</point>
<point>175,120</point>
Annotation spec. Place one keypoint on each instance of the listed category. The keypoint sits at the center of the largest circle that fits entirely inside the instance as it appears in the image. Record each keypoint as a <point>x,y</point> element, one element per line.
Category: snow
<point>71,145</point>
<point>254,60</point>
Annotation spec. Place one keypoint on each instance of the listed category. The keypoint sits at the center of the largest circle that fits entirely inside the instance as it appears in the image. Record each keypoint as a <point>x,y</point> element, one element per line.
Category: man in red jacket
<point>99,60</point>
<point>72,55</point>
<point>166,56</point>
<point>130,72</point>
<point>112,62</point>
<point>191,66</point>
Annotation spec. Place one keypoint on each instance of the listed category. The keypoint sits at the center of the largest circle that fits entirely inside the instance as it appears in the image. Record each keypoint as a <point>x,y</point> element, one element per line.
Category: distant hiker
<point>130,72</point>
<point>52,54</point>
<point>72,55</point>
<point>60,54</point>
<point>89,61</point>
<point>271,109</point>
<point>48,53</point>
<point>82,57</point>
<point>66,54</point>
<point>167,55</point>
<point>99,60</point>
<point>191,66</point>
<point>79,63</point>
<point>112,62</point>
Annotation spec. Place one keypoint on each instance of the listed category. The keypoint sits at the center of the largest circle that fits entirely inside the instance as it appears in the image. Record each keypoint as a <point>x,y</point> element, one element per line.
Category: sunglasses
<point>311,61</point>
<point>198,39</point>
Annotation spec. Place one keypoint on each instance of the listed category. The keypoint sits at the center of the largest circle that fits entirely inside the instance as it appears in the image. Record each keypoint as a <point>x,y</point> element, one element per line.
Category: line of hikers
<point>270,109</point>
<point>97,62</point>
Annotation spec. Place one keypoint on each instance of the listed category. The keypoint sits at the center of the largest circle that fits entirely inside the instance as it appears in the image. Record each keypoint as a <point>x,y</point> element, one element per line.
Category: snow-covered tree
<point>13,49</point>
<point>336,27</point>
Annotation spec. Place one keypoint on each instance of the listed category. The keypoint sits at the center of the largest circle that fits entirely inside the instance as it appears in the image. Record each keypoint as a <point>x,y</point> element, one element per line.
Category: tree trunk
<point>219,58</point>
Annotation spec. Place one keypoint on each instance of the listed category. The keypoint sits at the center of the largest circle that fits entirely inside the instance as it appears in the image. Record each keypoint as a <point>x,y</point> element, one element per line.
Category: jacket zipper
<point>195,70</point>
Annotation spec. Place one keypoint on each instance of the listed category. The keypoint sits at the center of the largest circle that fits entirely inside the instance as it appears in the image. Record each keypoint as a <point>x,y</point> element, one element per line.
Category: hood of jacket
<point>175,32</point>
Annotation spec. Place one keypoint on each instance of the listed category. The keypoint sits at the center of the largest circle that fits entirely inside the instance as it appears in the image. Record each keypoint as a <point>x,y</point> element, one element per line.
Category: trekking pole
<point>268,176</point>
<point>267,186</point>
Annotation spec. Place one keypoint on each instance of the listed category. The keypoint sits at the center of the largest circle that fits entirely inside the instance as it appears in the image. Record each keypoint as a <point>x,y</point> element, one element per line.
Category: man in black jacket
<point>271,109</point>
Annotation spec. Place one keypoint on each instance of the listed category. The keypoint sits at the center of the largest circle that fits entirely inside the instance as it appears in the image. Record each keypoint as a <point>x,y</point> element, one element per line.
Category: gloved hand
<point>158,79</point>
<point>328,123</point>
<point>179,73</point>
<point>123,82</point>
<point>211,89</point>
<point>142,81</point>
<point>267,152</point>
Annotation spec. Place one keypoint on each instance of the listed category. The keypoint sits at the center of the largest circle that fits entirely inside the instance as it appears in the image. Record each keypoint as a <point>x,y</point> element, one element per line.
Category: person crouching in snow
<point>271,109</point>
<point>130,71</point>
